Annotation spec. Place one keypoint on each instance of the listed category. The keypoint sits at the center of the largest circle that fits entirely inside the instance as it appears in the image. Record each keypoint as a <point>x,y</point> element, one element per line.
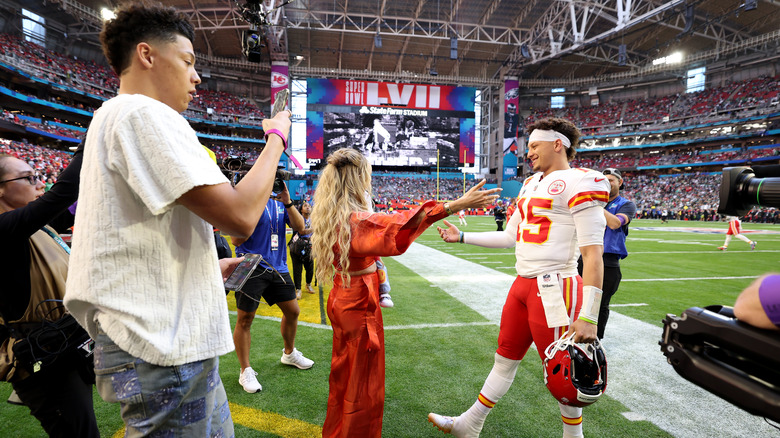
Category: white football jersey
<point>544,224</point>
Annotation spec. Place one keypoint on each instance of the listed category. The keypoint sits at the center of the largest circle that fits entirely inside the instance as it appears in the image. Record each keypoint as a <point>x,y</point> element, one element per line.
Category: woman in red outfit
<point>347,238</point>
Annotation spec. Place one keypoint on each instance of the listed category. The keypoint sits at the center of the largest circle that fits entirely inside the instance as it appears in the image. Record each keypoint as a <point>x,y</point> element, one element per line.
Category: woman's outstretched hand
<point>451,234</point>
<point>476,198</point>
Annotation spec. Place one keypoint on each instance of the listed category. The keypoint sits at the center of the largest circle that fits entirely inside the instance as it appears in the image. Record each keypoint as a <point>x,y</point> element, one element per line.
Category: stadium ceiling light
<point>674,58</point>
<point>107,14</point>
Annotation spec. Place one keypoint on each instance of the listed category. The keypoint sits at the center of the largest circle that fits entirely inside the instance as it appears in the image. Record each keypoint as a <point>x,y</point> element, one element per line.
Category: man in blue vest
<point>619,211</point>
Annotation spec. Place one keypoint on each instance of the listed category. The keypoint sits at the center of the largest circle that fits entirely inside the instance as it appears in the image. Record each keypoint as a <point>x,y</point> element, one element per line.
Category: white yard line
<point>640,377</point>
<point>628,280</point>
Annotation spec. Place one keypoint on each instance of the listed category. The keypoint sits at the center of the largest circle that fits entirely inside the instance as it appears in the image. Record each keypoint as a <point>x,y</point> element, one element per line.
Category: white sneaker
<point>248,380</point>
<point>296,359</point>
<point>453,425</point>
<point>385,301</point>
<point>298,294</point>
<point>14,399</point>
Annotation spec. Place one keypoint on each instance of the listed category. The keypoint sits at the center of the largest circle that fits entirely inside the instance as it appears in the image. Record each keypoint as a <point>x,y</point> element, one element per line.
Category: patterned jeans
<point>176,401</point>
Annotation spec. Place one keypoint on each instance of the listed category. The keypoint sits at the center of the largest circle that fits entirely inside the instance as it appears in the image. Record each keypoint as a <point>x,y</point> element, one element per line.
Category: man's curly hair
<point>563,126</point>
<point>137,22</point>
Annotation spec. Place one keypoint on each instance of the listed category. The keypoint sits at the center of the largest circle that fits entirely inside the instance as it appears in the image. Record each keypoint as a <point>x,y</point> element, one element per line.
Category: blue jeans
<point>176,401</point>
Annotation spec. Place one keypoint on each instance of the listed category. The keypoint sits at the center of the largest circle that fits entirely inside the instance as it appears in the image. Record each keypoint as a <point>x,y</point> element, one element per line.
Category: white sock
<point>744,239</point>
<point>496,385</point>
<point>728,239</point>
<point>572,421</point>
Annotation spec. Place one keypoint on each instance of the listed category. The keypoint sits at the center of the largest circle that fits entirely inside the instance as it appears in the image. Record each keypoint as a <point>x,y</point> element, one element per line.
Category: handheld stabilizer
<point>729,358</point>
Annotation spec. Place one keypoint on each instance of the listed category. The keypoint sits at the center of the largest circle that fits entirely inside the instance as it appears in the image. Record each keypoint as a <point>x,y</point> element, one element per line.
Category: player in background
<point>560,214</point>
<point>462,218</point>
<point>735,229</point>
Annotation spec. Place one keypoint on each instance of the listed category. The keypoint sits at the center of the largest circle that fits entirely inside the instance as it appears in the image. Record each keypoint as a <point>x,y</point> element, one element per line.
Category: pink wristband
<point>279,133</point>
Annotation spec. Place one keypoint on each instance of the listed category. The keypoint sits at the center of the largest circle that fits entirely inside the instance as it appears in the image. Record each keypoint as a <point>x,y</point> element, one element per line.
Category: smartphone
<point>281,102</point>
<point>241,274</point>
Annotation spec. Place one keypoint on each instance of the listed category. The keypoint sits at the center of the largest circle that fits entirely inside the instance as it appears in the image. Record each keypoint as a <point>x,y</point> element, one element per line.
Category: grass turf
<point>443,368</point>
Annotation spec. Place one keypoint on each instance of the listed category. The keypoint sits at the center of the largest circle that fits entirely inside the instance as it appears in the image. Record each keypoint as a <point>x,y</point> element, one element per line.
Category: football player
<point>559,214</point>
<point>735,230</point>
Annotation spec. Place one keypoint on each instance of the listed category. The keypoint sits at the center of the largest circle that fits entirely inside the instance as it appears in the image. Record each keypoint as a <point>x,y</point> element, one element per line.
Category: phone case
<point>241,274</point>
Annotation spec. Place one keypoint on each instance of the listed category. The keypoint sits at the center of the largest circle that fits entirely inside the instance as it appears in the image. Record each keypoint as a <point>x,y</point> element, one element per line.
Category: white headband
<point>548,135</point>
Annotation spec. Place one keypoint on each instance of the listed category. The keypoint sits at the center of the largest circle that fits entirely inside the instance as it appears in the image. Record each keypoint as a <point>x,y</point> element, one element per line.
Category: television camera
<point>253,40</point>
<point>743,187</point>
<point>281,176</point>
<point>709,346</point>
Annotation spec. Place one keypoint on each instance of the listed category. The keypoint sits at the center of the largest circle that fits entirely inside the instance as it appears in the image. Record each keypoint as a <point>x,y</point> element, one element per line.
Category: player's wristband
<point>279,133</point>
<point>460,238</point>
<point>591,302</point>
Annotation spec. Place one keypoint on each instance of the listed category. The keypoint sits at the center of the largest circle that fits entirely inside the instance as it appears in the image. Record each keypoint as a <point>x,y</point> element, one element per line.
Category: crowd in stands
<point>691,196</point>
<point>101,81</point>
<point>222,152</point>
<point>410,190</point>
<point>86,76</point>
<point>44,126</point>
<point>690,191</point>
<point>226,107</point>
<point>711,104</point>
<point>48,163</point>
<point>626,161</point>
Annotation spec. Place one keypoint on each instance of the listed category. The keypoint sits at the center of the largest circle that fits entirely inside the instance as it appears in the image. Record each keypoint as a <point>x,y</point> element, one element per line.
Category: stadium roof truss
<point>474,42</point>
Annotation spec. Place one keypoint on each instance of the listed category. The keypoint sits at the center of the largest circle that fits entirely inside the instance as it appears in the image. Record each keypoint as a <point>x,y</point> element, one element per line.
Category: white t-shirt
<point>544,223</point>
<point>145,267</point>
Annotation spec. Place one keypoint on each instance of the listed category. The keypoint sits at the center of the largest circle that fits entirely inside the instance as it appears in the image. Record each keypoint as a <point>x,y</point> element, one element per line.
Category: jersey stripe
<point>583,197</point>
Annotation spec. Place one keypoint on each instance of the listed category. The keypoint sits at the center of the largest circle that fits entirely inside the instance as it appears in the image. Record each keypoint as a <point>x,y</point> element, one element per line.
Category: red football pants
<point>523,320</point>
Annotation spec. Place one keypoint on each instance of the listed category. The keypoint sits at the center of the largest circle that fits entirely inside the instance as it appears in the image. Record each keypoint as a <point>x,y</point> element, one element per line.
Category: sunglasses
<point>32,179</point>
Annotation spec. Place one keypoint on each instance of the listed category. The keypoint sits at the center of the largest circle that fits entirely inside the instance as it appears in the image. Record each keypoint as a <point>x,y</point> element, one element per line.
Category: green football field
<point>441,337</point>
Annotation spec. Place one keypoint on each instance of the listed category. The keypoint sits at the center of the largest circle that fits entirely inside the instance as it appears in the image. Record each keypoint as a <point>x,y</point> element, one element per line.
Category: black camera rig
<point>744,187</point>
<point>281,176</point>
<point>710,347</point>
<point>729,358</point>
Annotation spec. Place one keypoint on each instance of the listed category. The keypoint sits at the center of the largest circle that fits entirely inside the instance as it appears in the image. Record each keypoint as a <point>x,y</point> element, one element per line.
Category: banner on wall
<point>280,78</point>
<point>512,117</point>
<point>391,124</point>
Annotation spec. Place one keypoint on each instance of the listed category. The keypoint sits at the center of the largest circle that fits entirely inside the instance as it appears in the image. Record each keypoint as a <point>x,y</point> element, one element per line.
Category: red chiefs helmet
<point>575,374</point>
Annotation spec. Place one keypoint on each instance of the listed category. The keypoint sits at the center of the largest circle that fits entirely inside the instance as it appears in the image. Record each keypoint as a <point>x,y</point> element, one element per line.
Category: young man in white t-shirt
<point>144,278</point>
<point>559,214</point>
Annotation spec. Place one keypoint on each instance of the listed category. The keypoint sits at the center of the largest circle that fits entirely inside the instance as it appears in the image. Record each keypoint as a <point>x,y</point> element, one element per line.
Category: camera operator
<point>759,304</point>
<point>271,280</point>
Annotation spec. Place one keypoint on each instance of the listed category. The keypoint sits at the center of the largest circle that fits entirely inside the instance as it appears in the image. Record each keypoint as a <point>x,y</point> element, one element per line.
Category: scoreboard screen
<point>391,124</point>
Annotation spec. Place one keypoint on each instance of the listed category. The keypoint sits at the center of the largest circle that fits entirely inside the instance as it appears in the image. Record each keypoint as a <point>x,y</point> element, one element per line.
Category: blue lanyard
<point>57,239</point>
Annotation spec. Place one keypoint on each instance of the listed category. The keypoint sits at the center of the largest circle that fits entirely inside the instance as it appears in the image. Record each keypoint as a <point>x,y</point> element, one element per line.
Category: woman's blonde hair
<point>344,188</point>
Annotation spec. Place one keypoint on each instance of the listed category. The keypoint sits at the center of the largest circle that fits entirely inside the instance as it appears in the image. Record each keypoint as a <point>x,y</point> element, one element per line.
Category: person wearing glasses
<point>34,266</point>
<point>619,211</point>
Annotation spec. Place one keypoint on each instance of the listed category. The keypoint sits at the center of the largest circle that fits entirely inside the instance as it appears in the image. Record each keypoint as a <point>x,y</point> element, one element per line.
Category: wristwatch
<point>288,205</point>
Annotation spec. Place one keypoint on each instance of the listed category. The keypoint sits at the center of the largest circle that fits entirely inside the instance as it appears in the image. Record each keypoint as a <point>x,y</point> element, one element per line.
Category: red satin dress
<point>357,378</point>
